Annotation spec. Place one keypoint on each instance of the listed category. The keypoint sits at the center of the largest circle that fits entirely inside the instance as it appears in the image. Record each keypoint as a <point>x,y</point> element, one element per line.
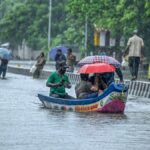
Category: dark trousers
<point>37,73</point>
<point>3,70</point>
<point>134,66</point>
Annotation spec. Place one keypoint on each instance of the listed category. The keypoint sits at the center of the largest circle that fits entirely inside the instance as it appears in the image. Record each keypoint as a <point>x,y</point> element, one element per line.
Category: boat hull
<point>113,100</point>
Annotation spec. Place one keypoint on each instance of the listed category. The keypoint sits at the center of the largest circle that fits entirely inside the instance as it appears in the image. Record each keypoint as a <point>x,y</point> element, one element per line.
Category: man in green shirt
<point>57,82</point>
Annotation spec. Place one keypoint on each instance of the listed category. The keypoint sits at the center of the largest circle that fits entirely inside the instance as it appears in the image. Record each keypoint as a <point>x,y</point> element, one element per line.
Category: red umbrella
<point>96,68</point>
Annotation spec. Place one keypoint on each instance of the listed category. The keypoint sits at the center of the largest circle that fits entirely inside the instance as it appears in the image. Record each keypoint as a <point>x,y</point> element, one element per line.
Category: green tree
<point>25,21</point>
<point>119,16</point>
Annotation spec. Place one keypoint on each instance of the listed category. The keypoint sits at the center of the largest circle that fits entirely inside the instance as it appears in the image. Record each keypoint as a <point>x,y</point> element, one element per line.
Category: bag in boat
<point>32,69</point>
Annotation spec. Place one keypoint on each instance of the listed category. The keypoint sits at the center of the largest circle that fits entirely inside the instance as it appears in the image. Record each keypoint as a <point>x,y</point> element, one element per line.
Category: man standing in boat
<point>58,81</point>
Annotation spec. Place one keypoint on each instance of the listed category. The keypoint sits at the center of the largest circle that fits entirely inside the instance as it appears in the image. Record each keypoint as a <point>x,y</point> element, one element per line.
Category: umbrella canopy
<point>5,54</point>
<point>99,59</point>
<point>53,51</point>
<point>96,68</point>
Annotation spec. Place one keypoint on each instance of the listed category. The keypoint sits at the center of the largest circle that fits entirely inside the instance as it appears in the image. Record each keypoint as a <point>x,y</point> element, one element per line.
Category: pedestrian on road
<point>39,65</point>
<point>60,58</point>
<point>134,49</point>
<point>3,67</point>
<point>71,60</point>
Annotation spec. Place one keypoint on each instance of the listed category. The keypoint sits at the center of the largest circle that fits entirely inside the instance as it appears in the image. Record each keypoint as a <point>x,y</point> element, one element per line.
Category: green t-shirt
<point>56,78</point>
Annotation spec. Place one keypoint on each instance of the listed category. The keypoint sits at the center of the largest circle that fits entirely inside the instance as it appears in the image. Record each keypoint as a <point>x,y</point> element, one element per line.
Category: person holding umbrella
<point>3,67</point>
<point>59,57</point>
<point>5,56</point>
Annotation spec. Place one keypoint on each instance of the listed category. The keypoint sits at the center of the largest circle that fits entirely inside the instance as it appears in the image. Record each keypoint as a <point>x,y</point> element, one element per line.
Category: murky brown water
<point>26,125</point>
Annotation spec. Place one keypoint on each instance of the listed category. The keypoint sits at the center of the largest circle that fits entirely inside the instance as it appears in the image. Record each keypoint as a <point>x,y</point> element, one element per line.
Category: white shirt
<point>135,44</point>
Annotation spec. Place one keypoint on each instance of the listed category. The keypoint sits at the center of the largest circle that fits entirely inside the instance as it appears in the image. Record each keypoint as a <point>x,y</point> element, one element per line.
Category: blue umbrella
<point>5,54</point>
<point>53,51</point>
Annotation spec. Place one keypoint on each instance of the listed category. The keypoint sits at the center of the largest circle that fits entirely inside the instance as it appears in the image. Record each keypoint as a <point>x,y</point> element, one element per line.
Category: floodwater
<point>26,125</point>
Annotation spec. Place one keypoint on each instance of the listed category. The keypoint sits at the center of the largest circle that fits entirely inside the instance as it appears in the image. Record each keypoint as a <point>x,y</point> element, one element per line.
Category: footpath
<point>50,66</point>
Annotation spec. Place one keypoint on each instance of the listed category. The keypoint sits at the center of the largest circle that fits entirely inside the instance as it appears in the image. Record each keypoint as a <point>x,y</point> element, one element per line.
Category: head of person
<point>42,54</point>
<point>135,32</point>
<point>69,51</point>
<point>62,67</point>
<point>84,77</point>
<point>59,51</point>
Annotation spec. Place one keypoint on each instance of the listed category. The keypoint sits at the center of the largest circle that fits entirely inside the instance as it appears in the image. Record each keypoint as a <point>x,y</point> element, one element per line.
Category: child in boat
<point>83,88</point>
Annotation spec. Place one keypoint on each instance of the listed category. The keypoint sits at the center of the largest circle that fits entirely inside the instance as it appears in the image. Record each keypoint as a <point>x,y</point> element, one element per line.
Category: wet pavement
<point>50,66</point>
<point>26,125</point>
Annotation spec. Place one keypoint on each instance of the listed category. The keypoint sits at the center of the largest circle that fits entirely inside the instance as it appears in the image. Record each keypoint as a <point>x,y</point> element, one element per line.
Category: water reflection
<point>26,124</point>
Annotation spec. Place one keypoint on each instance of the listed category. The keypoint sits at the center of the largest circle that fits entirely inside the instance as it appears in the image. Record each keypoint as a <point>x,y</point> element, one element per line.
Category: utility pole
<point>49,23</point>
<point>86,32</point>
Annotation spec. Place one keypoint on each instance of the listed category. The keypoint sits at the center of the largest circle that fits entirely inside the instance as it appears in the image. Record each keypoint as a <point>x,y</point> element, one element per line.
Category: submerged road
<point>26,125</point>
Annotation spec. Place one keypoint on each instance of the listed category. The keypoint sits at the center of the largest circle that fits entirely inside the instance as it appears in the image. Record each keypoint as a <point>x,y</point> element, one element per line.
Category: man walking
<point>135,51</point>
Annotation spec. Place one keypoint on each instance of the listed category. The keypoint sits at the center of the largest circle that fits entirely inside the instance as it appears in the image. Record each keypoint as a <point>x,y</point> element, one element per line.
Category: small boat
<point>112,100</point>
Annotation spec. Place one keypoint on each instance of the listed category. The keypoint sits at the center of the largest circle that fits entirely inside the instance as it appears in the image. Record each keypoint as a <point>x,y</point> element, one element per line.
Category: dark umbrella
<point>99,59</point>
<point>53,51</point>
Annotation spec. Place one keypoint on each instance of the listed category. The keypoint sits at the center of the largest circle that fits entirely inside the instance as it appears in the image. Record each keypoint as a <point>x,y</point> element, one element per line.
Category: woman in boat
<point>98,85</point>
<point>83,88</point>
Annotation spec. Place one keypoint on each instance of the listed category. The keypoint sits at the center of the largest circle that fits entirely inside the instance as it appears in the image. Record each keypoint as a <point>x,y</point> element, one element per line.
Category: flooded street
<point>26,125</point>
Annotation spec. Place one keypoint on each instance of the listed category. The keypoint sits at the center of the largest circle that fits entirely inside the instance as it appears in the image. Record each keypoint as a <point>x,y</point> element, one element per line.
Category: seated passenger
<point>83,88</point>
<point>57,82</point>
<point>99,86</point>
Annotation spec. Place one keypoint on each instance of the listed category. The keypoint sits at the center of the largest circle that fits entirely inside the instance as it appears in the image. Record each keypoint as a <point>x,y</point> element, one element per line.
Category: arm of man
<point>50,82</point>
<point>127,48</point>
<point>53,84</point>
<point>67,83</point>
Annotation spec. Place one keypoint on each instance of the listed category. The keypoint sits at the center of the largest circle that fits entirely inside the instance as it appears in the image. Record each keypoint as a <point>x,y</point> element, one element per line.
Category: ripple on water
<point>25,124</point>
